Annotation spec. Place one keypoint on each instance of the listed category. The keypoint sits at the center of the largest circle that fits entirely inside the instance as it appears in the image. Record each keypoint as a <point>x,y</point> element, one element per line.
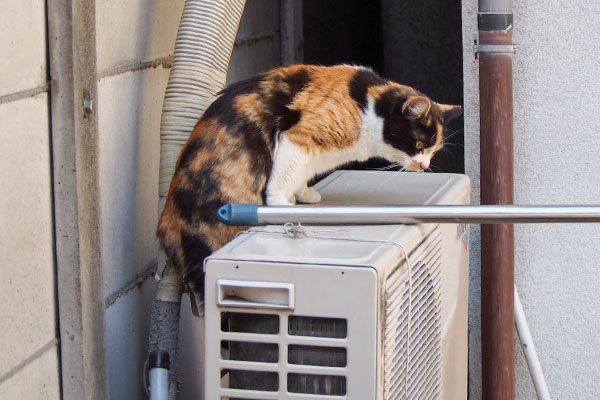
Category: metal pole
<point>533,362</point>
<point>251,214</point>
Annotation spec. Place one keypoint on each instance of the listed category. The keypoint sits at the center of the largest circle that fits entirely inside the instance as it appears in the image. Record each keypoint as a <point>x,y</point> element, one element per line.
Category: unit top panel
<point>364,245</point>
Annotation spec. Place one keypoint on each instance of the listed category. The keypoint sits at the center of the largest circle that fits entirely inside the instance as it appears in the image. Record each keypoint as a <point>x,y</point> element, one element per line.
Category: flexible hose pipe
<point>205,39</point>
<point>204,42</point>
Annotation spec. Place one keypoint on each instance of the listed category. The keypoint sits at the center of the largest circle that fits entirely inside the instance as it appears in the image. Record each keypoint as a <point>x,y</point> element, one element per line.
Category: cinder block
<point>250,59</point>
<point>261,17</point>
<point>129,113</point>
<point>23,45</point>
<point>27,287</point>
<point>131,31</point>
<point>38,380</point>
<point>127,328</point>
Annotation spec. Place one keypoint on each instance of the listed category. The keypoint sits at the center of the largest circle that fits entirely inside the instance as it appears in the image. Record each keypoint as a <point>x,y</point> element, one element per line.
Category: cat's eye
<point>419,145</point>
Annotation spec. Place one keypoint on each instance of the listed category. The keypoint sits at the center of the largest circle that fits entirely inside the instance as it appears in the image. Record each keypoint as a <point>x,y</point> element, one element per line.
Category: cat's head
<point>413,127</point>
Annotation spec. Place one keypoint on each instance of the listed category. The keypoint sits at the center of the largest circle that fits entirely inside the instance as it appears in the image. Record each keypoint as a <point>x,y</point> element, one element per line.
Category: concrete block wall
<point>28,342</point>
<point>556,147</point>
<point>134,43</point>
<point>257,45</point>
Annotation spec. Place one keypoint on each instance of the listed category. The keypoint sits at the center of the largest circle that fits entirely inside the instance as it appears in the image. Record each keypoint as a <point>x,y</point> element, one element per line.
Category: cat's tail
<point>188,246</point>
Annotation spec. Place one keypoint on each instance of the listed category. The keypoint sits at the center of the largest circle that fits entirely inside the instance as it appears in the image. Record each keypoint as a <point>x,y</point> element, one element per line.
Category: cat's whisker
<point>444,150</point>
<point>453,144</point>
<point>402,169</point>
<point>389,156</point>
<point>453,134</point>
<point>452,154</point>
<point>387,167</point>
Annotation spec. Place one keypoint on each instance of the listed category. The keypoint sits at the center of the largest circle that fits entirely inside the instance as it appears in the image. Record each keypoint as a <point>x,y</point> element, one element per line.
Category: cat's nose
<point>424,165</point>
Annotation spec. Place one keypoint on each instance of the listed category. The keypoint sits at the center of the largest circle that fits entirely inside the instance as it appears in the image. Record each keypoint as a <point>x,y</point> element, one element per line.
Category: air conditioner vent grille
<point>412,334</point>
<point>317,327</point>
<point>281,356</point>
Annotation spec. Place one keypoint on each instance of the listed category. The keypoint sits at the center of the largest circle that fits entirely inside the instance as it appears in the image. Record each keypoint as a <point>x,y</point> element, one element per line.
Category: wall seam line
<point>24,94</point>
<point>137,281</point>
<point>255,39</point>
<point>165,62</point>
<point>27,361</point>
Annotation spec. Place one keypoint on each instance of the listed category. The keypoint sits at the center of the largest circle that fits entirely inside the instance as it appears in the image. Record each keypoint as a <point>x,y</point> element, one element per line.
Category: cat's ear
<point>450,112</point>
<point>416,107</point>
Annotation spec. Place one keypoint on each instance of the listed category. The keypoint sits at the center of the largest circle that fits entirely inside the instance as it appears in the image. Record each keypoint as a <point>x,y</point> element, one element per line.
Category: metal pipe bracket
<point>493,49</point>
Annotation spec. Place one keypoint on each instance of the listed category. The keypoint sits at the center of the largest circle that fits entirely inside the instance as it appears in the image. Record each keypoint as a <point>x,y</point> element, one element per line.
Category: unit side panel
<point>455,281</point>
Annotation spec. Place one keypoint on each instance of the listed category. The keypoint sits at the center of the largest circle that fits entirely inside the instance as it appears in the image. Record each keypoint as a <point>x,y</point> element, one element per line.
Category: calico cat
<point>264,138</point>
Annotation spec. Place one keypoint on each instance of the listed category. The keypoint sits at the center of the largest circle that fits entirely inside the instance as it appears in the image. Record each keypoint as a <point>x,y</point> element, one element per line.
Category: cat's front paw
<point>308,195</point>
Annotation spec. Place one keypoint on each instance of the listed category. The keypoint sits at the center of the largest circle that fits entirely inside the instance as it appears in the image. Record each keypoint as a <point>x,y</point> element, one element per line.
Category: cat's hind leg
<point>288,175</point>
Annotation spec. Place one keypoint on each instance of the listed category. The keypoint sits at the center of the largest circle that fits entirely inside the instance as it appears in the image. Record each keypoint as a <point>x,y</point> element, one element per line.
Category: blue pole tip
<point>224,213</point>
<point>239,214</point>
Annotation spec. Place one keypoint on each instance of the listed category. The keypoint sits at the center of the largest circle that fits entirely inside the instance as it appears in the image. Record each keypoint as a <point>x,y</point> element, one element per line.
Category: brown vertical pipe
<point>497,241</point>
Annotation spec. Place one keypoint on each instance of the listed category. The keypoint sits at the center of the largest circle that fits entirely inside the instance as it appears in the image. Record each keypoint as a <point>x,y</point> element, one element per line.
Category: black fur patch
<point>188,153</point>
<point>452,114</point>
<point>195,250</point>
<point>399,131</point>
<point>389,102</point>
<point>256,146</point>
<point>193,198</point>
<point>360,83</point>
<point>297,82</point>
<point>185,200</point>
<point>289,119</point>
<point>222,108</point>
<point>278,116</point>
<point>207,212</point>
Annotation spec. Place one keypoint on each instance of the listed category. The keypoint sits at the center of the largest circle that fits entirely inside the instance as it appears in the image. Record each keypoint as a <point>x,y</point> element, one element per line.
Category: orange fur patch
<point>330,117</point>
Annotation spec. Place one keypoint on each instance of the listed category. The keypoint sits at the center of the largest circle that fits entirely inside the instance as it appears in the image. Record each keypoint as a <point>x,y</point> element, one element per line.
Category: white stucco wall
<point>134,41</point>
<point>557,151</point>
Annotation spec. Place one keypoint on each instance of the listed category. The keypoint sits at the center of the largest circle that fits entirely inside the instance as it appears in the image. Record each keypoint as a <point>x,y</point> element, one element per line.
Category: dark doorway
<point>413,43</point>
<point>340,31</point>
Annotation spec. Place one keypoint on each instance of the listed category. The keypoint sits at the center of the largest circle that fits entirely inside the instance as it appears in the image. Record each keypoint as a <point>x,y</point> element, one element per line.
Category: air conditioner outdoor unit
<point>335,312</point>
